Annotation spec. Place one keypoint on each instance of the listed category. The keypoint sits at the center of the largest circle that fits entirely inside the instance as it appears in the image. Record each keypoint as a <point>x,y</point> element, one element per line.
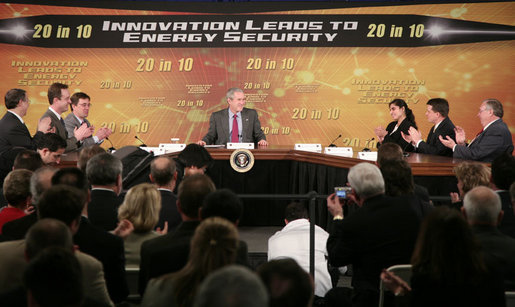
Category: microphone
<point>404,153</point>
<point>142,143</point>
<point>110,149</point>
<point>332,143</point>
<point>366,149</point>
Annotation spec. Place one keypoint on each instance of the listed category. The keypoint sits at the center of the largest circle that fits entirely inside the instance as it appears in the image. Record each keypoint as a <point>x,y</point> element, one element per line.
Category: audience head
<point>439,105</point>
<point>399,107</point>
<point>470,175</point>
<point>232,286</point>
<point>141,207</point>
<point>104,170</point>
<point>27,159</point>
<point>214,245</point>
<point>17,188</point>
<point>195,159</point>
<point>51,147</point>
<point>191,193</point>
<point>64,203</point>
<point>397,178</point>
<point>295,211</point>
<point>223,203</point>
<point>482,205</point>
<point>389,152</point>
<point>162,171</point>
<point>71,176</point>
<point>13,98</point>
<point>41,181</point>
<point>46,233</point>
<point>287,283</point>
<point>503,171</point>
<point>87,153</point>
<point>446,250</point>
<point>54,278</point>
<point>366,180</point>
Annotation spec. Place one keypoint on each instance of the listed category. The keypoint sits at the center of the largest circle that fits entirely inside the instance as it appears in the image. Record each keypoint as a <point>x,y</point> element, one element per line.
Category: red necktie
<point>235,130</point>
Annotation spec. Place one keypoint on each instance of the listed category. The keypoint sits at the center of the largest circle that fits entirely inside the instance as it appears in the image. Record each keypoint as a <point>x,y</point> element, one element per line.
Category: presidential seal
<point>242,160</point>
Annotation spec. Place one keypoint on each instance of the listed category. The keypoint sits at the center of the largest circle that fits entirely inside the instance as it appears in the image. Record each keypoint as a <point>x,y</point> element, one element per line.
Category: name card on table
<point>168,148</point>
<point>339,151</point>
<point>368,155</point>
<point>240,145</point>
<point>309,147</point>
<point>156,150</point>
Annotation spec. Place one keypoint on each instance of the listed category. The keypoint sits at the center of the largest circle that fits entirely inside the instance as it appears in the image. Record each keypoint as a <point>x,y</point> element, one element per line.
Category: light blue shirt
<point>240,125</point>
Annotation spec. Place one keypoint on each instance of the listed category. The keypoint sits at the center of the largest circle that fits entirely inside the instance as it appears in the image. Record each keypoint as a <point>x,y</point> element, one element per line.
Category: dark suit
<point>380,234</point>
<point>432,145</point>
<point>71,141</point>
<point>219,133</point>
<point>109,250</point>
<point>17,229</point>
<point>507,225</point>
<point>396,137</point>
<point>168,211</point>
<point>103,209</point>
<point>71,122</point>
<point>488,145</point>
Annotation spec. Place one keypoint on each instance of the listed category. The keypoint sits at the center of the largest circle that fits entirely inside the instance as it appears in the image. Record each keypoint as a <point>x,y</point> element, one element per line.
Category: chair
<point>510,298</point>
<point>132,281</point>
<point>401,270</point>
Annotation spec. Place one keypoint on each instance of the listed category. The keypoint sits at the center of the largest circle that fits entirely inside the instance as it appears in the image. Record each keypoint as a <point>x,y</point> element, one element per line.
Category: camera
<point>342,192</point>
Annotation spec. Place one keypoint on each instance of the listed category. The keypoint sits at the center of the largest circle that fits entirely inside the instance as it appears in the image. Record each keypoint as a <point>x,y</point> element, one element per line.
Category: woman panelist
<point>403,119</point>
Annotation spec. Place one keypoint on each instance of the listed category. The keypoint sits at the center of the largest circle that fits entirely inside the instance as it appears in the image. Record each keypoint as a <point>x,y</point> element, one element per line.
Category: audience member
<point>503,175</point>
<point>28,159</point>
<point>493,140</point>
<point>232,286</point>
<point>293,242</point>
<point>379,234</point>
<point>163,174</point>
<point>469,175</point>
<point>40,181</point>
<point>104,173</point>
<point>169,253</point>
<point>51,147</point>
<point>105,247</point>
<point>287,283</point>
<point>399,183</point>
<point>194,159</point>
<point>16,190</point>
<point>482,209</point>
<point>59,99</point>
<point>87,153</point>
<point>141,207</point>
<point>448,267</point>
<point>213,246</point>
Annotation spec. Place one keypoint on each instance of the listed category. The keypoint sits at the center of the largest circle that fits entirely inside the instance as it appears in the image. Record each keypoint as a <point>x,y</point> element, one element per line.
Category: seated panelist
<point>236,124</point>
<point>403,119</point>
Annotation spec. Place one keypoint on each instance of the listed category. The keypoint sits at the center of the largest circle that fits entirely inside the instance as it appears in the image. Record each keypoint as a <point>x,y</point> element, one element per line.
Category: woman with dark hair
<point>213,246</point>
<point>403,119</point>
<point>448,266</point>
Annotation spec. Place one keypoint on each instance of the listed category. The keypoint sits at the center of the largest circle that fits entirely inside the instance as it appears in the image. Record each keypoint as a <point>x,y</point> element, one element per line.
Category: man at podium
<point>236,124</point>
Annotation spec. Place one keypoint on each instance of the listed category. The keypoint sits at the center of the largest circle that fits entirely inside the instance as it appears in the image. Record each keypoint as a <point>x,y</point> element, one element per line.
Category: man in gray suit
<point>80,104</point>
<point>59,99</point>
<point>491,142</point>
<point>246,120</point>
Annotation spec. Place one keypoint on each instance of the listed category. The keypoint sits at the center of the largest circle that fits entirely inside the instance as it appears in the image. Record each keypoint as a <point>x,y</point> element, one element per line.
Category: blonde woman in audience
<point>213,246</point>
<point>469,175</point>
<point>141,208</point>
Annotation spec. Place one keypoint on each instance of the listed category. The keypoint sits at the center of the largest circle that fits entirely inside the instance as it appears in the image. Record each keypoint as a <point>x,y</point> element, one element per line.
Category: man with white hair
<point>381,233</point>
<point>482,209</point>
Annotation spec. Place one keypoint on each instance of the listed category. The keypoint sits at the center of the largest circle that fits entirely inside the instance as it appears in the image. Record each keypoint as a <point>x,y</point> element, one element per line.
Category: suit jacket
<point>507,225</point>
<point>488,145</point>
<point>379,234</point>
<point>109,250</point>
<point>219,133</point>
<point>396,137</point>
<point>13,264</point>
<point>103,209</point>
<point>499,251</point>
<point>168,211</point>
<point>71,141</point>
<point>71,122</point>
<point>432,145</point>
<point>17,229</point>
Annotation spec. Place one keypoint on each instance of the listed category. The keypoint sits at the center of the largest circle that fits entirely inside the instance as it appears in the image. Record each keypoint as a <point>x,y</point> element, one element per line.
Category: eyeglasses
<point>85,105</point>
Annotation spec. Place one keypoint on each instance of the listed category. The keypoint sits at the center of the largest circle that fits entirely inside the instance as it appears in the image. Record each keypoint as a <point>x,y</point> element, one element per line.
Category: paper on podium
<point>339,151</point>
<point>309,147</point>
<point>240,145</point>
